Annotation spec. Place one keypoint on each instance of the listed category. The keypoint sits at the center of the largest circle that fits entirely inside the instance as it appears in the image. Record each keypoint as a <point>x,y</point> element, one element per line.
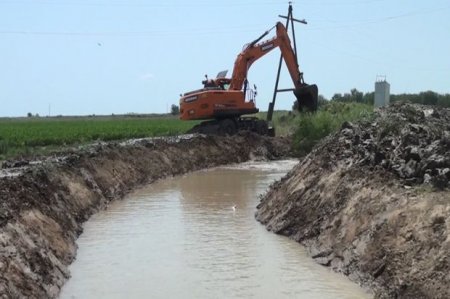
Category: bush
<point>311,128</point>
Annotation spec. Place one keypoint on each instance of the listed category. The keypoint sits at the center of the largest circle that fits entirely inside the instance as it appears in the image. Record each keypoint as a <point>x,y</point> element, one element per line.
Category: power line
<point>137,4</point>
<point>196,31</point>
<point>381,20</point>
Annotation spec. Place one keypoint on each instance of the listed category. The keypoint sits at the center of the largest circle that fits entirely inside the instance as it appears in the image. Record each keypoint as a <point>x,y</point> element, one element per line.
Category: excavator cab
<point>307,97</point>
<point>220,82</point>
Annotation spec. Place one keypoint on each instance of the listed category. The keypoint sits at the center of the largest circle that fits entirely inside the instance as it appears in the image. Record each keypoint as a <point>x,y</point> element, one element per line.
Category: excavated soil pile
<point>373,202</point>
<point>44,203</point>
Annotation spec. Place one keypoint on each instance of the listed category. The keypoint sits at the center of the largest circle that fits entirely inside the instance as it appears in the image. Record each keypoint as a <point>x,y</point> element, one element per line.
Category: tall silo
<point>382,91</point>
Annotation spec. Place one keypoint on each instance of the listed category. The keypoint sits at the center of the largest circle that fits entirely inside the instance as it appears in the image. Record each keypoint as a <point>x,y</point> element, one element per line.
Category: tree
<point>369,98</point>
<point>353,96</point>
<point>336,97</point>
<point>429,98</point>
<point>356,96</point>
<point>174,109</point>
<point>29,114</point>
<point>444,100</point>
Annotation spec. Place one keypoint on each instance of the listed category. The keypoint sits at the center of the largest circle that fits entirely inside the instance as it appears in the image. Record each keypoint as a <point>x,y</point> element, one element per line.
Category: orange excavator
<point>223,101</point>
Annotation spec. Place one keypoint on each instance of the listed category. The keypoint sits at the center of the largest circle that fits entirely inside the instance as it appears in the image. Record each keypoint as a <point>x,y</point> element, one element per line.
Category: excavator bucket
<point>307,96</point>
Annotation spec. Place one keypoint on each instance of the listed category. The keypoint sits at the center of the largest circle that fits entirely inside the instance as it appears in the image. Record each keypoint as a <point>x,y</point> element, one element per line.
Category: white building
<point>382,92</point>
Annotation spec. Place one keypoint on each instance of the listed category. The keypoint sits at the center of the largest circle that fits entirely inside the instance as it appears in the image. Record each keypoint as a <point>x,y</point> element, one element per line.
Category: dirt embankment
<point>44,204</point>
<point>373,202</point>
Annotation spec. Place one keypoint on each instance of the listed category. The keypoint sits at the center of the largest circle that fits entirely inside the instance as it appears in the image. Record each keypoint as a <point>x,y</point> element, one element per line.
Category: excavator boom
<point>254,52</point>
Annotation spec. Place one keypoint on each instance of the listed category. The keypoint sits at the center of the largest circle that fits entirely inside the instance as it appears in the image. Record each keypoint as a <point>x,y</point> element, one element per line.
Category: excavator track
<point>231,126</point>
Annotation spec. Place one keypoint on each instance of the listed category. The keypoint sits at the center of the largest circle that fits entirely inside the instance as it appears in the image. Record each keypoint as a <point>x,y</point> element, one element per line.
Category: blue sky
<point>100,57</point>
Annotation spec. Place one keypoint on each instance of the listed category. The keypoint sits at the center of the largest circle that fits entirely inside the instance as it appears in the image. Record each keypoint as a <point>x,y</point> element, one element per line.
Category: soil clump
<point>372,201</point>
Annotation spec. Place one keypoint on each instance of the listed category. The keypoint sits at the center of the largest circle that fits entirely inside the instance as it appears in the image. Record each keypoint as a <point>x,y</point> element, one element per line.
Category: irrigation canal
<point>181,238</point>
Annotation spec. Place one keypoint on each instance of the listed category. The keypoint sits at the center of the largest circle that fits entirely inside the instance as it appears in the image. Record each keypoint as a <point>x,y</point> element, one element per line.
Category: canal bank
<point>373,202</point>
<point>45,203</point>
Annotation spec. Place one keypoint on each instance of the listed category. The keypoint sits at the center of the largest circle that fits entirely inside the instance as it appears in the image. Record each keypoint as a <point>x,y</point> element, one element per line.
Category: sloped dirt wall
<point>44,203</point>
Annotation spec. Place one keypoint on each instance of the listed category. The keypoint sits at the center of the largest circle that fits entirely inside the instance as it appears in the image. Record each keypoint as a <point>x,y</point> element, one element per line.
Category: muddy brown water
<point>181,238</point>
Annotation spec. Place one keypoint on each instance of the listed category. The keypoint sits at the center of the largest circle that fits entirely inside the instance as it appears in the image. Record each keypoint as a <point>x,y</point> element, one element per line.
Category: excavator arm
<point>306,94</point>
<point>255,51</point>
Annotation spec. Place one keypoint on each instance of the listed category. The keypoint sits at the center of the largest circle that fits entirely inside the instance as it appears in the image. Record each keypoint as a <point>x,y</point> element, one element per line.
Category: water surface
<point>181,238</point>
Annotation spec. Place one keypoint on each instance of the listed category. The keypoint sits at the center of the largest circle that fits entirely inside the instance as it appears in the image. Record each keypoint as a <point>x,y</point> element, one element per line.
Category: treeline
<point>425,98</point>
<point>354,96</point>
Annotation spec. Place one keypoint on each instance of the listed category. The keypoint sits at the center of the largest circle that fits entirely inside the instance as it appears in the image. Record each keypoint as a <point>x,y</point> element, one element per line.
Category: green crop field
<point>29,135</point>
<point>35,135</point>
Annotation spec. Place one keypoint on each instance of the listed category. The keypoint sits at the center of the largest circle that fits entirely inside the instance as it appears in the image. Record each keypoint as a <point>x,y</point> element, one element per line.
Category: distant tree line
<point>354,96</point>
<point>425,98</point>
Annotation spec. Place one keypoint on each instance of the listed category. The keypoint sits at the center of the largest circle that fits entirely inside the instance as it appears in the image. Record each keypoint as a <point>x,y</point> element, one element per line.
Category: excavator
<point>223,102</point>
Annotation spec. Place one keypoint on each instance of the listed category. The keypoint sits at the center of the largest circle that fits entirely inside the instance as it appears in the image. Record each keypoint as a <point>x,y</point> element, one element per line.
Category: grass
<point>20,136</point>
<point>282,120</point>
<point>311,128</point>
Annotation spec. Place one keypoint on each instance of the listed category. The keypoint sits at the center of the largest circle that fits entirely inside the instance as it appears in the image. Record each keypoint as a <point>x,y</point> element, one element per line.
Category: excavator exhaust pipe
<point>307,97</point>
